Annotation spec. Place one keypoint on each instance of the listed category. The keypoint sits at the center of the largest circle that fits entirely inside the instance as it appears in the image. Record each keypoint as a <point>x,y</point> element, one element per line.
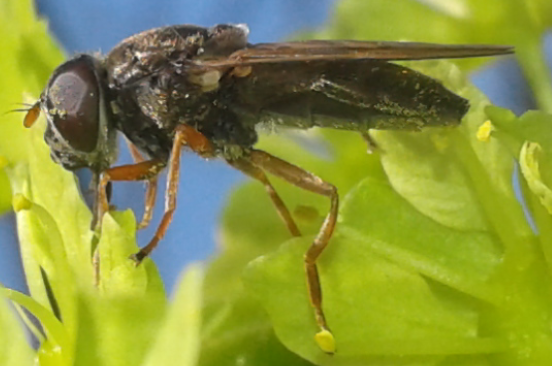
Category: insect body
<point>208,90</point>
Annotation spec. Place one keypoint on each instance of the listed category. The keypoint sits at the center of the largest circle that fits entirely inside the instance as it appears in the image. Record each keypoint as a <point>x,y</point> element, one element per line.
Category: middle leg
<point>254,172</point>
<point>184,135</point>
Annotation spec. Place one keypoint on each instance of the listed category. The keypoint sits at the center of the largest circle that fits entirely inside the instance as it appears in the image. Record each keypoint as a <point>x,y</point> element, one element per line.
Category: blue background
<point>90,26</point>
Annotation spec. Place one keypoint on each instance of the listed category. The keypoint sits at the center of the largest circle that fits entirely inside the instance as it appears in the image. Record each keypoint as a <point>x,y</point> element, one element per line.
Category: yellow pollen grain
<point>325,341</point>
<point>484,131</point>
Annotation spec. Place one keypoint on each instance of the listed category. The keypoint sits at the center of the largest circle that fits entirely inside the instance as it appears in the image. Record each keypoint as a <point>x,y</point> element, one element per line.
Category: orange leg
<point>139,171</point>
<point>249,169</point>
<point>312,183</point>
<point>184,135</point>
<point>133,172</point>
<point>372,145</point>
<point>151,188</point>
<point>146,170</point>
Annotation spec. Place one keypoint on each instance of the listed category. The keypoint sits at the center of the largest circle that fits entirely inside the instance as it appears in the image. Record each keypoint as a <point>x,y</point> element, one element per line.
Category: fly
<point>207,90</point>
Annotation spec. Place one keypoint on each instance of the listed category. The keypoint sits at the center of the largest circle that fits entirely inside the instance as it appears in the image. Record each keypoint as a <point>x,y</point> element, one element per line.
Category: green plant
<point>433,262</point>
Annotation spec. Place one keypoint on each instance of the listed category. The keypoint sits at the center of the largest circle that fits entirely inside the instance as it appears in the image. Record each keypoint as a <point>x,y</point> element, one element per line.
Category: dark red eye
<point>73,103</point>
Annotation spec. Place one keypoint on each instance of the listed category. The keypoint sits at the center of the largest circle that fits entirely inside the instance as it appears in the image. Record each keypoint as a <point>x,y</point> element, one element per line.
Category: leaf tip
<point>20,203</point>
<point>529,166</point>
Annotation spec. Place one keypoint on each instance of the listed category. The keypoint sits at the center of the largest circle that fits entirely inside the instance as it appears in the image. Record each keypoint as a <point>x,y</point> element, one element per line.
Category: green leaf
<point>54,233</point>
<point>118,274</point>
<point>530,130</point>
<point>45,245</point>
<point>530,169</point>
<point>14,349</point>
<point>29,57</point>
<point>178,341</point>
<point>445,21</point>
<point>531,126</point>
<point>429,168</point>
<point>117,330</point>
<point>374,278</point>
<point>59,344</point>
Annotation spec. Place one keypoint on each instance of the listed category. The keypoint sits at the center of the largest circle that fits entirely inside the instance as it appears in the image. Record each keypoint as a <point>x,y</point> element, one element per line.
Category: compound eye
<point>72,101</point>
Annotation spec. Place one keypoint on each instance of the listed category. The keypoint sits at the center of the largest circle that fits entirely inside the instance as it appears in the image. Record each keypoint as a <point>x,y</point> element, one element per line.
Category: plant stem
<point>532,61</point>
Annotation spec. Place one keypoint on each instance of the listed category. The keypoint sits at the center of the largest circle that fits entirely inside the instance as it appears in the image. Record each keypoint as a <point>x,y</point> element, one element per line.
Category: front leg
<point>151,188</point>
<point>145,170</point>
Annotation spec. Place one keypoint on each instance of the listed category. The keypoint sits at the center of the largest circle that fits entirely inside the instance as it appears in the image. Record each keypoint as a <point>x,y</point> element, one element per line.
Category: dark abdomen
<point>351,95</point>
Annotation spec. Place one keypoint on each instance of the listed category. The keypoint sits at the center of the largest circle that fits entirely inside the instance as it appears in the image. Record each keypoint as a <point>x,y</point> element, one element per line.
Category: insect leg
<point>94,186</point>
<point>254,172</point>
<point>151,188</point>
<point>370,142</point>
<point>132,172</point>
<point>309,182</point>
<point>184,135</point>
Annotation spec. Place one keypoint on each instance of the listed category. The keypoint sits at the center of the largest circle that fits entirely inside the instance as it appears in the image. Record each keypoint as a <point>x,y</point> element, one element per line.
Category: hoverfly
<point>208,89</point>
